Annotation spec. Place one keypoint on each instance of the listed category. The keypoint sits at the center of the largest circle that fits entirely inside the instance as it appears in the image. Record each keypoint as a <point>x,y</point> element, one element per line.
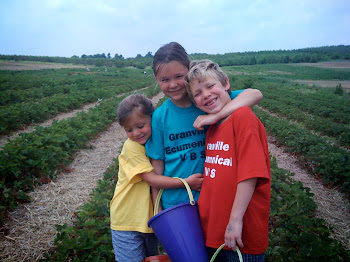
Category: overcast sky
<point>130,27</point>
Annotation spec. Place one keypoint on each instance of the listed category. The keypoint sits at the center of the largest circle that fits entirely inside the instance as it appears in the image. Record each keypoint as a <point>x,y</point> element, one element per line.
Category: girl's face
<point>170,78</point>
<point>138,127</point>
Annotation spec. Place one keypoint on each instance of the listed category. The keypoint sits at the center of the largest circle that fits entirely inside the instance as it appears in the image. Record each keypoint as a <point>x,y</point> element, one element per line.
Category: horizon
<point>112,56</point>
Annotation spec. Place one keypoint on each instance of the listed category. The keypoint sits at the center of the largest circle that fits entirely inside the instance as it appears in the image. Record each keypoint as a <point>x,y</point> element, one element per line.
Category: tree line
<point>304,55</point>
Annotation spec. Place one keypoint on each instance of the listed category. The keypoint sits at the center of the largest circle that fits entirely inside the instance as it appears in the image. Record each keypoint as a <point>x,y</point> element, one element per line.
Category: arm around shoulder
<point>248,97</point>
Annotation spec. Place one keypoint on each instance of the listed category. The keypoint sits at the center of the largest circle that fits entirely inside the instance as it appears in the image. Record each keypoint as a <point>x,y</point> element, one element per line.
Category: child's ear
<point>227,85</point>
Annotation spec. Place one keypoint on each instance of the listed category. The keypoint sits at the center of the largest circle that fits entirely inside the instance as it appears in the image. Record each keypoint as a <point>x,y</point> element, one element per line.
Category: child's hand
<point>233,234</point>
<point>204,120</point>
<point>195,181</point>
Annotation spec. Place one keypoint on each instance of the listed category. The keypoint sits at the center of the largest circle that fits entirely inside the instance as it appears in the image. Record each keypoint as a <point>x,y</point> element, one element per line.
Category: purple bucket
<point>179,231</point>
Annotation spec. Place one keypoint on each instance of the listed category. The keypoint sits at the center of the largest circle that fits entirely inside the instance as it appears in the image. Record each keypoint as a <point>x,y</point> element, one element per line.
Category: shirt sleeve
<point>235,93</point>
<point>251,149</point>
<point>135,163</point>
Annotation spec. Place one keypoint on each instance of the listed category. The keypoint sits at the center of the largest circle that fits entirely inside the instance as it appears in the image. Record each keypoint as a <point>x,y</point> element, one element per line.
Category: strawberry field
<point>310,123</point>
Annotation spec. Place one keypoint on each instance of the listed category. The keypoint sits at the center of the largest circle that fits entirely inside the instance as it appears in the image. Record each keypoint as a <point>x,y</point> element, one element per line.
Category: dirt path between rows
<point>5,139</point>
<point>332,206</point>
<point>32,226</point>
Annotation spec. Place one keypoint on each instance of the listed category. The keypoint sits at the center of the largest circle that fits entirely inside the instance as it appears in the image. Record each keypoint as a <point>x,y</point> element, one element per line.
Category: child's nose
<point>173,83</point>
<point>205,93</point>
<point>135,133</point>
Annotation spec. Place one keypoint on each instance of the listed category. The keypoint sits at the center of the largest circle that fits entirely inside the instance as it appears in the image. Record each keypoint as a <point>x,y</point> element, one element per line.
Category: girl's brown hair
<point>168,53</point>
<point>131,103</point>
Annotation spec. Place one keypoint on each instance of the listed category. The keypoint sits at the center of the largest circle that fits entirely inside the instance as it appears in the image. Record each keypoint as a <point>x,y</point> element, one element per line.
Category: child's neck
<point>185,102</point>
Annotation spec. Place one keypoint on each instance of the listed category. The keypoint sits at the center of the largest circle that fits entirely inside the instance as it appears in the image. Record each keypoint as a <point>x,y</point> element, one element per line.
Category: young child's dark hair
<point>131,103</point>
<point>169,53</point>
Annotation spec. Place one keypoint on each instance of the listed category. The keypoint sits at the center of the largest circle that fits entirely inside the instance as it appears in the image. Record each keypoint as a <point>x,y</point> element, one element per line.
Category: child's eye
<point>179,76</point>
<point>196,94</point>
<point>164,80</point>
<point>141,126</point>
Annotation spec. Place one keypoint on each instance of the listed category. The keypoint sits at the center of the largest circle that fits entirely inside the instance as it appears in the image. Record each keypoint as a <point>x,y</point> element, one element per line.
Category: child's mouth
<point>140,138</point>
<point>210,102</point>
<point>175,91</point>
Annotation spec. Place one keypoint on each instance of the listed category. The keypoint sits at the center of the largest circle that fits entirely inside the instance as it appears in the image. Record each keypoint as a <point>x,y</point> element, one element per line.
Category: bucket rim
<point>164,256</point>
<point>168,210</point>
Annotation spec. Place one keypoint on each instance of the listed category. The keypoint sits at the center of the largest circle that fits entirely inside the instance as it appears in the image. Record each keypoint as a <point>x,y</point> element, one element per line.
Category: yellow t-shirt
<point>131,206</point>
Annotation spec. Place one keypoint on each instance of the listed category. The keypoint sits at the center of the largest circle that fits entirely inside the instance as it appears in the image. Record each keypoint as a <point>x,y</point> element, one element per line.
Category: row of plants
<point>323,110</point>
<point>282,102</point>
<point>326,161</point>
<point>295,233</point>
<point>21,80</point>
<point>292,71</point>
<point>339,132</point>
<point>321,103</point>
<point>65,95</point>
<point>18,116</point>
<point>37,157</point>
<point>33,85</point>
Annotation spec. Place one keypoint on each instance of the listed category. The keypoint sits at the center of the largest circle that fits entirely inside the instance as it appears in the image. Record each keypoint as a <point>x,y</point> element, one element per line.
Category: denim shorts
<point>133,246</point>
<point>231,256</point>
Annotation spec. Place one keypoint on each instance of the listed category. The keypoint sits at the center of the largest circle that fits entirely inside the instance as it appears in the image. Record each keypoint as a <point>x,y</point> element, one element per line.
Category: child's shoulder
<point>242,111</point>
<point>132,146</point>
<point>163,106</point>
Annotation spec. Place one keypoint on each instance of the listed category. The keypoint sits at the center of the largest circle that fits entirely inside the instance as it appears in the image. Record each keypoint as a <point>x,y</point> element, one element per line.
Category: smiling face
<point>170,78</point>
<point>138,127</point>
<point>209,94</point>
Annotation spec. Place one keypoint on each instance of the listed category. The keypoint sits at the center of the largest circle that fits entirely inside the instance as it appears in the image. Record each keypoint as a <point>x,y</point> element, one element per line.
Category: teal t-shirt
<point>182,148</point>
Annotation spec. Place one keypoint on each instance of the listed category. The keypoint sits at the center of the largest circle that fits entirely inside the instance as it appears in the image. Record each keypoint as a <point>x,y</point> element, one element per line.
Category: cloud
<point>66,28</point>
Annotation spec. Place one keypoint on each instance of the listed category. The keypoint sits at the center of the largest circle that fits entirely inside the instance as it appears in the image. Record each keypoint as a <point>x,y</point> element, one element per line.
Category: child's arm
<point>158,166</point>
<point>157,180</point>
<point>160,181</point>
<point>233,233</point>
<point>248,97</point>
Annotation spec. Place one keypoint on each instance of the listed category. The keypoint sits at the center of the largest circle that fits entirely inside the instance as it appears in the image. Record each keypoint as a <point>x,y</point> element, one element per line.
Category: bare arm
<point>233,233</point>
<point>160,181</point>
<point>158,166</point>
<point>248,97</point>
<point>157,180</point>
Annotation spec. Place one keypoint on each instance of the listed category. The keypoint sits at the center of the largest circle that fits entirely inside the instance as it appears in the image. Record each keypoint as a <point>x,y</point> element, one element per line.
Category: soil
<point>323,83</point>
<point>332,83</point>
<point>26,65</point>
<point>331,64</point>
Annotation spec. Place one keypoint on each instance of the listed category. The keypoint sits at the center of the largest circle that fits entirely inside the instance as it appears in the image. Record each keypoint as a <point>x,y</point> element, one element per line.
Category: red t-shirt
<point>236,150</point>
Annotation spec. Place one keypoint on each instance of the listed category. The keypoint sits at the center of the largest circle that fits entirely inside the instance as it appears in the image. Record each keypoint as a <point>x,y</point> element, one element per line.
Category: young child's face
<point>171,81</point>
<point>210,95</point>
<point>138,127</point>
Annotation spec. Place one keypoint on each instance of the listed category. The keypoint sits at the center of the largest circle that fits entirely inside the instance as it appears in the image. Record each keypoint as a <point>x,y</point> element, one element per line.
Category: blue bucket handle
<point>190,195</point>
<point>221,247</point>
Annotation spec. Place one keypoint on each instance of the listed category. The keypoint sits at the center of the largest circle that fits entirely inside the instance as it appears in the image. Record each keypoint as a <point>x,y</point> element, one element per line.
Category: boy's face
<point>210,95</point>
<point>138,127</point>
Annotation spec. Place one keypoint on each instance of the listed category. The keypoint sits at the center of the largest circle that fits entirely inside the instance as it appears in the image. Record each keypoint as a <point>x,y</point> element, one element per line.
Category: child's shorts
<point>133,246</point>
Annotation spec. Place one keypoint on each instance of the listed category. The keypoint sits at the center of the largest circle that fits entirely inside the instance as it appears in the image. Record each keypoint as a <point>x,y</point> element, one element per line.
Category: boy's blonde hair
<point>202,69</point>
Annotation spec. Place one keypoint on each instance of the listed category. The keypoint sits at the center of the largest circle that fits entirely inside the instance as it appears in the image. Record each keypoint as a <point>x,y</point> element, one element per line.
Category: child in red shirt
<point>234,202</point>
